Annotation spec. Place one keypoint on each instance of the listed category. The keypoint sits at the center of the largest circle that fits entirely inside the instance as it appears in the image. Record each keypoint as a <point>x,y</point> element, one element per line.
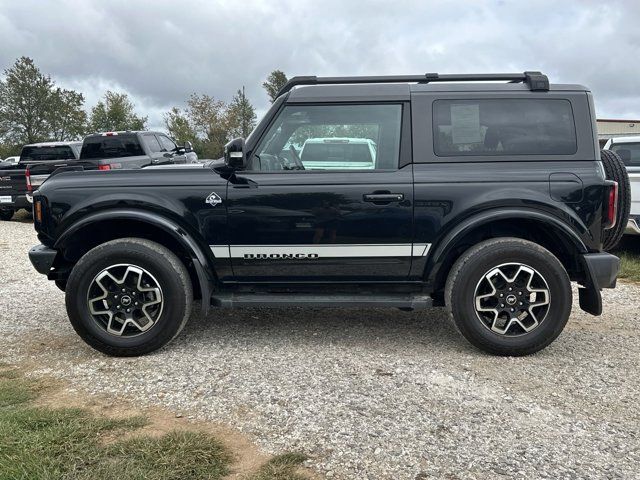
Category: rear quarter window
<point>509,126</point>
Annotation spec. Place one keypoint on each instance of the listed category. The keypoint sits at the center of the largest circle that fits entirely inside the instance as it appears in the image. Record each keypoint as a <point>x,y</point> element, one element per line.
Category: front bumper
<point>633,227</point>
<point>42,258</point>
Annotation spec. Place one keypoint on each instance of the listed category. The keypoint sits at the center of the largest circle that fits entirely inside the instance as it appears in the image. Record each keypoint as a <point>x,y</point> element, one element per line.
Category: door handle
<point>383,197</point>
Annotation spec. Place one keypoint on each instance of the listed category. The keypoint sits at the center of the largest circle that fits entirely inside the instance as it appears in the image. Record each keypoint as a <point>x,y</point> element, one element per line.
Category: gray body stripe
<point>324,250</point>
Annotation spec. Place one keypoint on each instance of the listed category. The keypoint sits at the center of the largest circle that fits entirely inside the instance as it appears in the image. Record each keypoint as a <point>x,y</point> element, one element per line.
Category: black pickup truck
<point>117,150</point>
<point>99,151</point>
<point>15,182</point>
<point>488,198</point>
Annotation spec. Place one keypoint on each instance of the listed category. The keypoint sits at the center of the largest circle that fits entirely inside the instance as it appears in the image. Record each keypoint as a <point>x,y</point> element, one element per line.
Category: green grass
<point>629,252</point>
<point>629,266</point>
<point>281,467</point>
<point>73,444</point>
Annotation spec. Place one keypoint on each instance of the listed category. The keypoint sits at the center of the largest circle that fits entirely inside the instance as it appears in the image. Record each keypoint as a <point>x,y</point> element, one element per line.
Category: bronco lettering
<point>279,256</point>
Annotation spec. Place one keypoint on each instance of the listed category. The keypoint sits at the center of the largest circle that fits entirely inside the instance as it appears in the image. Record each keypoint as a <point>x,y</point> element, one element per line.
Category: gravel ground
<point>367,393</point>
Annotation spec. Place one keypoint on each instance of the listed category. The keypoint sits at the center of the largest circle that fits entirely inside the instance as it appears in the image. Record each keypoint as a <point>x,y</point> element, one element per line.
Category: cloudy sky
<point>160,51</point>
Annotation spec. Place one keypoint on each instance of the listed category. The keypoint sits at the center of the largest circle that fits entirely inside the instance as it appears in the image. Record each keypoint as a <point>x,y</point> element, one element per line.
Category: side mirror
<point>188,146</point>
<point>234,155</point>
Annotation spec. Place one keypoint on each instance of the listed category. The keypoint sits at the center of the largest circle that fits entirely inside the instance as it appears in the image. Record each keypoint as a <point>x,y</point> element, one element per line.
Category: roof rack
<point>535,80</point>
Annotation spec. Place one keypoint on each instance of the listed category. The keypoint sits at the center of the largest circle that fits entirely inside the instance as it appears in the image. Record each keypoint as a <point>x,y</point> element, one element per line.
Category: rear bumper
<point>17,202</point>
<point>633,225</point>
<point>603,269</point>
<point>42,258</point>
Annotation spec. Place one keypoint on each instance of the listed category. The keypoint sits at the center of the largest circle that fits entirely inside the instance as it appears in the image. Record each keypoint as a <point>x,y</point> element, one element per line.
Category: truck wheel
<point>615,170</point>
<point>128,297</point>
<point>6,214</point>
<point>509,296</point>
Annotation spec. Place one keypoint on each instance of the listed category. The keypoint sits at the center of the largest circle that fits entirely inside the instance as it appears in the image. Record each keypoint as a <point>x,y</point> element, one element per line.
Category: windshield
<point>60,152</point>
<point>111,146</point>
<point>629,153</point>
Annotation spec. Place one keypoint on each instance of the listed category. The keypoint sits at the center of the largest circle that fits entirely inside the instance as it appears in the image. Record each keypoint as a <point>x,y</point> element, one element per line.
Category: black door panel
<point>317,226</point>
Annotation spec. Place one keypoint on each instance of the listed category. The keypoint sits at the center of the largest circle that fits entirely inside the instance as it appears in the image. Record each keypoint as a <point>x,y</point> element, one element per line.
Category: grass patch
<point>629,252</point>
<point>67,443</point>
<point>74,444</point>
<point>281,467</point>
<point>629,266</point>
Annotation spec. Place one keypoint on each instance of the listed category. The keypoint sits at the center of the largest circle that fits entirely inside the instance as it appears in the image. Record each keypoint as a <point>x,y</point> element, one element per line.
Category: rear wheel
<point>128,297</point>
<point>615,170</point>
<point>6,214</point>
<point>509,296</point>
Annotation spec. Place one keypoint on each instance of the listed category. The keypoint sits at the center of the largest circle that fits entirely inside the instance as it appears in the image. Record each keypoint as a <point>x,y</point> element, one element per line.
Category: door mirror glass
<point>234,154</point>
<point>188,147</point>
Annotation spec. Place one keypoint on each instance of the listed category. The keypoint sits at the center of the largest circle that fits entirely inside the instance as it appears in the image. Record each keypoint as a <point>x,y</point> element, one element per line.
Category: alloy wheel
<point>125,300</point>
<point>512,299</point>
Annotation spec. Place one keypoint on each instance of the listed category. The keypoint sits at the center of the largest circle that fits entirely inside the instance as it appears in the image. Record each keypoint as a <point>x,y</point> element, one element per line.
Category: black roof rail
<point>535,80</point>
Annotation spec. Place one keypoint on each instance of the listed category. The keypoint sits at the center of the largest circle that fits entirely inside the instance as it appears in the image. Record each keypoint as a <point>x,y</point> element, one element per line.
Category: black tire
<point>470,269</point>
<point>164,268</point>
<point>615,170</point>
<point>6,214</point>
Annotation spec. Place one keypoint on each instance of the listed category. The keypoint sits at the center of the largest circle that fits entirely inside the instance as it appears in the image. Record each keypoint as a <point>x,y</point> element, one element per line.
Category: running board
<point>229,300</point>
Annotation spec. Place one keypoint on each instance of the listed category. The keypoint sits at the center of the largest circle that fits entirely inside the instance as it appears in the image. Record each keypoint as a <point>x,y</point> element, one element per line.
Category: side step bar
<point>229,300</point>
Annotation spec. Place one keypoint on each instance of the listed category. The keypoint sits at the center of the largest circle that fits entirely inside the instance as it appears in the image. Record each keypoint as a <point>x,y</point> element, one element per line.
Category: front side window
<point>503,127</point>
<point>629,153</point>
<point>331,137</point>
<point>152,143</point>
<point>167,144</point>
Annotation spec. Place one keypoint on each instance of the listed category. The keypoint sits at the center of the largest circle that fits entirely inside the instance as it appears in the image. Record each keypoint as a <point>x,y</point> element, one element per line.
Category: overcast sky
<point>161,51</point>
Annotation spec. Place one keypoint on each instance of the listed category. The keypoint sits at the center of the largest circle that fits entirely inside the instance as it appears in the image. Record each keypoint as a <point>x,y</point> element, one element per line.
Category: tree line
<point>34,109</point>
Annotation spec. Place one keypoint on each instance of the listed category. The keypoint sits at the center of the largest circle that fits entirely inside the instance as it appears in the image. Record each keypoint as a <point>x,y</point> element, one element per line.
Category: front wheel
<point>509,296</point>
<point>128,297</point>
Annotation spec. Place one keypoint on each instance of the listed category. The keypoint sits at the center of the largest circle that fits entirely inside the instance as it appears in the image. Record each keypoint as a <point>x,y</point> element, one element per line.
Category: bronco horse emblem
<point>213,199</point>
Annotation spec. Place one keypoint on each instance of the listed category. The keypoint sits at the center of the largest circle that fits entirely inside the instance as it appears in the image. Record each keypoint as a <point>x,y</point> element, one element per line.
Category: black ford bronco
<point>486,194</point>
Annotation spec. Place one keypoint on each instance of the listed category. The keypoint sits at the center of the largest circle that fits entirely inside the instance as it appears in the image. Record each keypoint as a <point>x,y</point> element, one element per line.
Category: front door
<point>325,198</point>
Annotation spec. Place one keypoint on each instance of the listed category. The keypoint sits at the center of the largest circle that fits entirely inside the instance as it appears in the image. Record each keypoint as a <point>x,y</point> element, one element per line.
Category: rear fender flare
<point>450,240</point>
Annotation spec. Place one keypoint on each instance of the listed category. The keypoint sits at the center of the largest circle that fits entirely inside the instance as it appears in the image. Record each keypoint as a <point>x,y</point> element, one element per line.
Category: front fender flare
<point>198,257</point>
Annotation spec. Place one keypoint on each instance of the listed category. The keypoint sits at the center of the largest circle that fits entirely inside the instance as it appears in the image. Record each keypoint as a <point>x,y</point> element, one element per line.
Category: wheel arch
<point>103,226</point>
<point>546,230</point>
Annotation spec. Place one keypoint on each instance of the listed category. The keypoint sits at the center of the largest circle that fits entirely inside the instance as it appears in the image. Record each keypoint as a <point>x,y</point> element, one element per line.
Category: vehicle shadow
<point>349,328</point>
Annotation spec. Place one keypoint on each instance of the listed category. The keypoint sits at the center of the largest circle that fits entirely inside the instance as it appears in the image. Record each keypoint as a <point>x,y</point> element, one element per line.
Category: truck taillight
<point>27,176</point>
<point>104,167</point>
<point>611,206</point>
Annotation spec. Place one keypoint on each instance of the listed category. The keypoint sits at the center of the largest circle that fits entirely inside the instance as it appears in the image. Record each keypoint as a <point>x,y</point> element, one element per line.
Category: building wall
<point>618,127</point>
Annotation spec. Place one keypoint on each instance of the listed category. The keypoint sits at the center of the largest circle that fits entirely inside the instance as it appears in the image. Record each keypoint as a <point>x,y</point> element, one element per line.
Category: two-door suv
<point>487,195</point>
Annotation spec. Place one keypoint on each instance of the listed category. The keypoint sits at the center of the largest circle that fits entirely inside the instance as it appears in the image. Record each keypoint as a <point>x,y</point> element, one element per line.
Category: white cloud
<point>161,51</point>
